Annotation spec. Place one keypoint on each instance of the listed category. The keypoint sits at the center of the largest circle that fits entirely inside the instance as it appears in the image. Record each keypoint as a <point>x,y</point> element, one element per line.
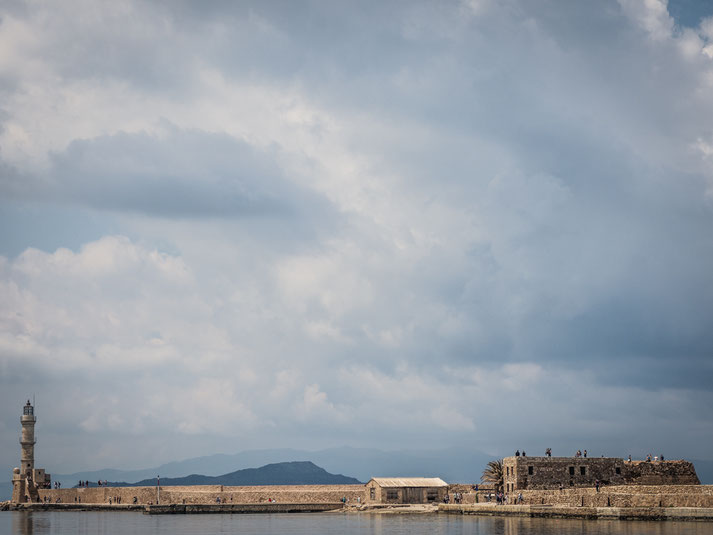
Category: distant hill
<point>289,473</point>
<point>454,464</point>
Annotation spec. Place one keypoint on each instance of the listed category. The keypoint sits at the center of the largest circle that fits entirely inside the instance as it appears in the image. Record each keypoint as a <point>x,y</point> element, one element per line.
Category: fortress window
<point>392,494</point>
<point>530,470</point>
<point>618,470</point>
<point>372,493</point>
<point>582,470</point>
<point>571,470</point>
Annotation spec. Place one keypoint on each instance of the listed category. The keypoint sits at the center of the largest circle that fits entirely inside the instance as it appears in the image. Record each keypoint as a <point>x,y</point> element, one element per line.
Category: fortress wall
<point>528,473</point>
<point>623,496</point>
<point>610,496</point>
<point>661,473</point>
<point>207,494</point>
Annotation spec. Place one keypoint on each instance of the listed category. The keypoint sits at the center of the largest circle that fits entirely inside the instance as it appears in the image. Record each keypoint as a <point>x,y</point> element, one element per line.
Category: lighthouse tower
<point>27,440</point>
<point>27,480</point>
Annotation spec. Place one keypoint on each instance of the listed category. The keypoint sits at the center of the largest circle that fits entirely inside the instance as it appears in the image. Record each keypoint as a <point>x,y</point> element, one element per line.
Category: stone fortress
<point>548,473</point>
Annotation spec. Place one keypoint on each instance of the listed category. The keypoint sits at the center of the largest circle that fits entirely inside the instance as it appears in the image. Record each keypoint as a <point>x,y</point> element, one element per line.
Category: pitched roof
<point>409,481</point>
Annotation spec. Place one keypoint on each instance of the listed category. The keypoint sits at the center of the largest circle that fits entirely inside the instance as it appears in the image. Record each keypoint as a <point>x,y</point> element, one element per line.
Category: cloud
<point>310,226</point>
<point>178,174</point>
<point>651,15</point>
<point>100,284</point>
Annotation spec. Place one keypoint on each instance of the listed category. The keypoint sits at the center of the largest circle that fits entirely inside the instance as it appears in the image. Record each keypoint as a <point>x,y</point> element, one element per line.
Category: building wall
<point>41,478</point>
<point>377,494</point>
<point>206,494</point>
<point>527,473</point>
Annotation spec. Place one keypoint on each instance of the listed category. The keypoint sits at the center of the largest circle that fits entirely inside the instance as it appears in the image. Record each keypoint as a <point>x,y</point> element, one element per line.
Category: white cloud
<point>651,15</point>
<point>402,222</point>
<point>316,406</point>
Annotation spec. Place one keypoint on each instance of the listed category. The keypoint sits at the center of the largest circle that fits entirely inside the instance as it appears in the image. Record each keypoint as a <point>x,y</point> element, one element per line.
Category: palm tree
<point>493,473</point>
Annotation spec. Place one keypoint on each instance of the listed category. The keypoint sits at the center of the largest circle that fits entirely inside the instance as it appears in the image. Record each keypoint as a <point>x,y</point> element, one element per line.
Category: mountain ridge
<point>285,473</point>
<point>458,464</point>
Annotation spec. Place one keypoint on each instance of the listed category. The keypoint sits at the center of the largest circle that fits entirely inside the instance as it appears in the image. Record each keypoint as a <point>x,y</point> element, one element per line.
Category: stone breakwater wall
<point>624,496</point>
<point>611,496</point>
<point>588,513</point>
<point>208,494</point>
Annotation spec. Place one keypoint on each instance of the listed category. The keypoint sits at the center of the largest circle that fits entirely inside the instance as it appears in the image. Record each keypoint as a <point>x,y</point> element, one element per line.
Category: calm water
<point>130,523</point>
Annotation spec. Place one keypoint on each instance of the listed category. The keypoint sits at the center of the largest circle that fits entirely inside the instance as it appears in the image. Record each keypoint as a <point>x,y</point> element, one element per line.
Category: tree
<point>493,473</point>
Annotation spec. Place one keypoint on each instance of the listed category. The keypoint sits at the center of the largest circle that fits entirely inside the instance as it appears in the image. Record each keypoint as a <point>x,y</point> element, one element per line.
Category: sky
<point>401,225</point>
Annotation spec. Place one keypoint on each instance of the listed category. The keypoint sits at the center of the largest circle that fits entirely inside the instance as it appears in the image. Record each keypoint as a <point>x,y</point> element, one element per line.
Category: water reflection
<point>28,523</point>
<point>129,523</point>
<point>22,523</point>
<point>542,526</point>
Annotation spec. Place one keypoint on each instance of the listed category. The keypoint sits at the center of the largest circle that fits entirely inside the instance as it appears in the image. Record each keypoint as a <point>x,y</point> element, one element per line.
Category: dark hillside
<point>290,473</point>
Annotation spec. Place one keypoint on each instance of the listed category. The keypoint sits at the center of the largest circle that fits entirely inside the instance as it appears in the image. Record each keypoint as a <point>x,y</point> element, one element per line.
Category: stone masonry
<point>207,494</point>
<point>542,473</point>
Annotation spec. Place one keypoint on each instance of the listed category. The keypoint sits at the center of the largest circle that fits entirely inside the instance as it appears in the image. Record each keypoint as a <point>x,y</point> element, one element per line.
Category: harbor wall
<point>207,494</point>
<point>609,496</point>
<point>701,514</point>
<point>624,496</point>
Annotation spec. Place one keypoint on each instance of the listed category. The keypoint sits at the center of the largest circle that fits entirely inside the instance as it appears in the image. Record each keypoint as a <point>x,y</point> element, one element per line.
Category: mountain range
<point>460,465</point>
<point>289,473</point>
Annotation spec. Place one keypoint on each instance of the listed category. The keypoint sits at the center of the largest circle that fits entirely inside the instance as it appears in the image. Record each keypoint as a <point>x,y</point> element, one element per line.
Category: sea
<point>135,523</point>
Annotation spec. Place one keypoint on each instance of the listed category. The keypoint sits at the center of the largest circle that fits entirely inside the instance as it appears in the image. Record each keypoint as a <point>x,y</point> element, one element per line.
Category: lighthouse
<point>27,479</point>
<point>27,439</point>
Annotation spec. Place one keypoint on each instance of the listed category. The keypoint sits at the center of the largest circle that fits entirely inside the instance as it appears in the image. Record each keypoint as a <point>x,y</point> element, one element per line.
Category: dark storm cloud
<point>184,174</point>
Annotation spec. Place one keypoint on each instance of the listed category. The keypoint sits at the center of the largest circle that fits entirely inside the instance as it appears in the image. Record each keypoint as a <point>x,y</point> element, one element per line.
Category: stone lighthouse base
<point>19,490</point>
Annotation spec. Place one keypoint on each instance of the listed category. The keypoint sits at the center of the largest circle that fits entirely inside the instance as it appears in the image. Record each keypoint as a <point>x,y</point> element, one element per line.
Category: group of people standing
<point>100,483</point>
<point>649,458</point>
<point>457,498</point>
